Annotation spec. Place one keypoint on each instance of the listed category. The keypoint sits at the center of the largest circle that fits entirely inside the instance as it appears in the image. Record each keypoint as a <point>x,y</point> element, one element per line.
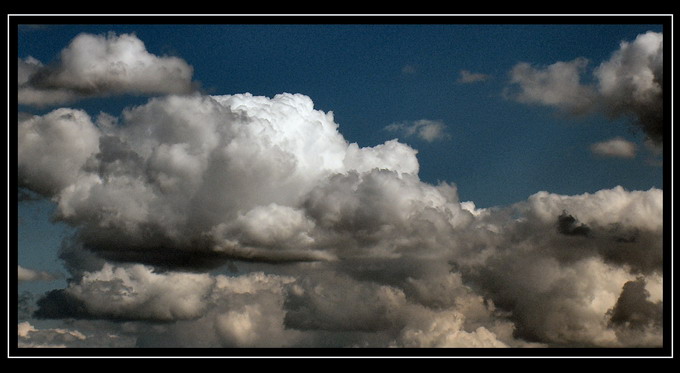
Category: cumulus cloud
<point>193,182</point>
<point>424,129</point>
<point>629,84</point>
<point>467,77</point>
<point>101,65</point>
<point>558,84</point>
<point>617,147</point>
<point>27,274</point>
<point>338,245</point>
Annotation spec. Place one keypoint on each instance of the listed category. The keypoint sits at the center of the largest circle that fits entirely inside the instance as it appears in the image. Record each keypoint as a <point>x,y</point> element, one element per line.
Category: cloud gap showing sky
<point>239,220</point>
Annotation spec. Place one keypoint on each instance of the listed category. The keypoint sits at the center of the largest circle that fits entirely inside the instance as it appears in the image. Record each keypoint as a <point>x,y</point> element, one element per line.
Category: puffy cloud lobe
<point>547,259</point>
<point>425,129</point>
<point>53,148</point>
<point>629,84</point>
<point>616,147</point>
<point>99,65</point>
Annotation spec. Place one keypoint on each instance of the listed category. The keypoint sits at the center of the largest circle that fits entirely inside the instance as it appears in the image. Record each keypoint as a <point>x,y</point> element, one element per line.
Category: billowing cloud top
<point>101,65</point>
<point>225,175</point>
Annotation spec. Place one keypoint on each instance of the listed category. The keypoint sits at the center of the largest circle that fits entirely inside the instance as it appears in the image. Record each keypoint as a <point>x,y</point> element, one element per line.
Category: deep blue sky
<point>499,151</point>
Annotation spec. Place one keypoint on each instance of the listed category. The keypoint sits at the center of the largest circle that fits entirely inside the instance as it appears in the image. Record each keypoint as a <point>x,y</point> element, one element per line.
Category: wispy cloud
<point>467,77</point>
<point>26,274</point>
<point>425,129</point>
<point>409,69</point>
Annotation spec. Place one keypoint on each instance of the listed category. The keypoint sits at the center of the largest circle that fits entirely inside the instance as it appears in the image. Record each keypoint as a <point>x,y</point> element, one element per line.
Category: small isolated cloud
<point>556,85</point>
<point>25,274</point>
<point>616,147</point>
<point>425,129</point>
<point>469,77</point>
<point>409,69</point>
<point>629,84</point>
<point>101,65</point>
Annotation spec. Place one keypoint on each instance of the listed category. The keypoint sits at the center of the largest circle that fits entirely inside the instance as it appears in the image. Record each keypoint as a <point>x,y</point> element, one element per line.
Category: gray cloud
<point>634,309</point>
<point>101,65</point>
<point>629,84</point>
<point>568,225</point>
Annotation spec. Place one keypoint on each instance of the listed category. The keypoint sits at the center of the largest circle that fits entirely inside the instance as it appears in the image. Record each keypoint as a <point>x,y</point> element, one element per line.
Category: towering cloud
<point>247,221</point>
<point>100,65</point>
<point>629,84</point>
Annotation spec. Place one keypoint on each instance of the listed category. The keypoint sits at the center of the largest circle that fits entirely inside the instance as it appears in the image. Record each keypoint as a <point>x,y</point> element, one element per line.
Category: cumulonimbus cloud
<point>629,84</point>
<point>101,65</point>
<point>358,250</point>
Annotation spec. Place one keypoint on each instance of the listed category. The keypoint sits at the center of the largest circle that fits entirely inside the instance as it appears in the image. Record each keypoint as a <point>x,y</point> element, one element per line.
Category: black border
<point>358,19</point>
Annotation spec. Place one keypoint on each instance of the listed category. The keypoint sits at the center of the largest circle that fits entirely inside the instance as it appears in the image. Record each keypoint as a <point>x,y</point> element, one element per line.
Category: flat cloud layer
<point>101,65</point>
<point>341,245</point>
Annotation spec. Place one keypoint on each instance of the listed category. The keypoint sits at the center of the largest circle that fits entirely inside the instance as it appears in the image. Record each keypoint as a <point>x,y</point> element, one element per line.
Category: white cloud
<point>100,65</point>
<point>629,84</point>
<point>467,77</point>
<point>617,147</point>
<point>425,129</point>
<point>53,148</point>
<point>558,84</point>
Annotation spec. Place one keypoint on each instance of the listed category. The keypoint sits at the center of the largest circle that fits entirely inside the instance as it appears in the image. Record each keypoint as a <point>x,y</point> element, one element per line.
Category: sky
<point>340,185</point>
